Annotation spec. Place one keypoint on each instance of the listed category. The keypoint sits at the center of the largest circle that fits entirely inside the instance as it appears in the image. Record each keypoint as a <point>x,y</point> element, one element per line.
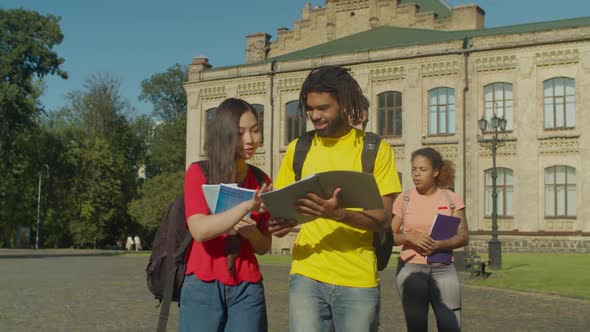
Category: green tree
<point>61,144</point>
<point>98,196</point>
<point>167,144</point>
<point>156,195</point>
<point>167,147</point>
<point>110,156</point>
<point>165,92</point>
<point>165,158</point>
<point>27,39</point>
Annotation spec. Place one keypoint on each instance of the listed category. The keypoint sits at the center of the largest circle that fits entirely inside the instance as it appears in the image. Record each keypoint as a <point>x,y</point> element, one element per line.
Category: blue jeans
<point>315,306</point>
<point>211,306</point>
<point>422,285</point>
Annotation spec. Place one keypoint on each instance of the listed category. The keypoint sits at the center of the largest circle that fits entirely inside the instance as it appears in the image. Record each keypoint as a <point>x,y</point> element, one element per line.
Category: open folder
<point>443,228</point>
<point>359,190</point>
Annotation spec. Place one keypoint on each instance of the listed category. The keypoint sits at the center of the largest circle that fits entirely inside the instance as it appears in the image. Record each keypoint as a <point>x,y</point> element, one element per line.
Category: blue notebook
<point>443,228</point>
<point>231,196</point>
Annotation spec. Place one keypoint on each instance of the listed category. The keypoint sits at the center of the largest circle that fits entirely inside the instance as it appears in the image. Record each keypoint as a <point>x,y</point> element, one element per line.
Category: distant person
<point>334,283</point>
<point>362,125</point>
<point>420,283</point>
<point>137,243</point>
<point>223,288</point>
<point>129,243</point>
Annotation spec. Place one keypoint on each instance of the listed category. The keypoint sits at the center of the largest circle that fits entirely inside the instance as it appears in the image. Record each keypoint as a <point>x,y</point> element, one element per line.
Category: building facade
<point>431,72</point>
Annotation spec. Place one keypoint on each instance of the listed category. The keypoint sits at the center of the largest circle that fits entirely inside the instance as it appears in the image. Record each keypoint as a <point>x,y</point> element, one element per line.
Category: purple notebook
<point>443,228</point>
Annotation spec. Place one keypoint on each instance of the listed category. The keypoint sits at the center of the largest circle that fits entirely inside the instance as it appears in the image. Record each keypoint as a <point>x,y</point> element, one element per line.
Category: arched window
<point>505,190</point>
<point>389,113</point>
<point>260,110</point>
<point>498,97</point>
<point>294,121</point>
<point>441,111</point>
<point>559,103</point>
<point>209,114</point>
<point>560,192</point>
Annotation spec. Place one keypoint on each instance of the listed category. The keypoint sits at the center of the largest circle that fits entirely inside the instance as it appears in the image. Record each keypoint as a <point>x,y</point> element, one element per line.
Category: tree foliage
<point>26,42</point>
<point>27,39</point>
<point>165,92</point>
<point>155,196</point>
<point>88,153</point>
<point>167,147</point>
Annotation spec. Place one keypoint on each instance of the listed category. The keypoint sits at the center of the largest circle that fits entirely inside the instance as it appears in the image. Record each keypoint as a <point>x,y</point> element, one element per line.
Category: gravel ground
<point>90,291</point>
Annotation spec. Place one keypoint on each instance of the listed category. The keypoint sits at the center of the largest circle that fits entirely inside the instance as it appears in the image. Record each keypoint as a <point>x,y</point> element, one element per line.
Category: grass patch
<point>561,274</point>
<point>284,260</point>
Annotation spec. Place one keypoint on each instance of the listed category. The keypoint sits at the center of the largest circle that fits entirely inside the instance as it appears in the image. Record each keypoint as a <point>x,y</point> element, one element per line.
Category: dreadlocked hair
<point>341,85</point>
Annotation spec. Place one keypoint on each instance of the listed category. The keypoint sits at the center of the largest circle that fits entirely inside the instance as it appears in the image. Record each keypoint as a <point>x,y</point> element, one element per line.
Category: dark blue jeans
<point>211,306</point>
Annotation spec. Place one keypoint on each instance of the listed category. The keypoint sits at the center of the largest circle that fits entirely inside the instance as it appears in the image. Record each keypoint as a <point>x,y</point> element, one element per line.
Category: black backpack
<point>382,241</point>
<point>167,265</point>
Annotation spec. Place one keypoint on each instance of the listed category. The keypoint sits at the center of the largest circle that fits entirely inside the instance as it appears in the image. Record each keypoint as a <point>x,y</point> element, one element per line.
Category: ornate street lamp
<point>495,128</point>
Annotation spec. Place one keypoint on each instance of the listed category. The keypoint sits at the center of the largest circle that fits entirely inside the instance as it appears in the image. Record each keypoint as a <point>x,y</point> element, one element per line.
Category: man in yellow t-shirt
<point>334,284</point>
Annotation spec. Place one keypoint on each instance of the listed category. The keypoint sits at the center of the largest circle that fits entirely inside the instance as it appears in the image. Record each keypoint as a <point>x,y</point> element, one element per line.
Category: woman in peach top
<point>420,283</point>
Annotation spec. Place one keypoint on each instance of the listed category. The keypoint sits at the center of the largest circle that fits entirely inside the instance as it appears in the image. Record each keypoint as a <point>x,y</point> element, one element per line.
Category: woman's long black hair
<point>222,139</point>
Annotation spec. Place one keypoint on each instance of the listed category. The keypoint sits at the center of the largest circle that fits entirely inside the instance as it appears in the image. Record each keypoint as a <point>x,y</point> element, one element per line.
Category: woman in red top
<point>223,289</point>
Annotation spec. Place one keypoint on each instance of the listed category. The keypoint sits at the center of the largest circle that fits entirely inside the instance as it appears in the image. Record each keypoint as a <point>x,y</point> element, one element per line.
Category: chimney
<point>199,64</point>
<point>257,46</point>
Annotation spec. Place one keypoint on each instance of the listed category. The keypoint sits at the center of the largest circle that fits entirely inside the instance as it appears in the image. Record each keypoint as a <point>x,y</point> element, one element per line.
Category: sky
<point>134,39</point>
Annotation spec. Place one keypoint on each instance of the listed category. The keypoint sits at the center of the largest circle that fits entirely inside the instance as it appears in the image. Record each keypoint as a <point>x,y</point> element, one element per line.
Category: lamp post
<point>496,126</point>
<point>37,231</point>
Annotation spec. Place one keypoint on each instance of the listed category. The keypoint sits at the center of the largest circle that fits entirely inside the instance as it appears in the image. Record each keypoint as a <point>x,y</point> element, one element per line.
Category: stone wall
<point>553,244</point>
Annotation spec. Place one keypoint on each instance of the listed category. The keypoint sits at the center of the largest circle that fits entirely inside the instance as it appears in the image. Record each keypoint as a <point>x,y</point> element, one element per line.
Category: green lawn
<point>274,259</point>
<point>561,274</point>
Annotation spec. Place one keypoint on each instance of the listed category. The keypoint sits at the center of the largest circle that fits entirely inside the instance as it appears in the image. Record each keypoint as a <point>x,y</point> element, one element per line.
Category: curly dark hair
<point>446,168</point>
<point>341,85</point>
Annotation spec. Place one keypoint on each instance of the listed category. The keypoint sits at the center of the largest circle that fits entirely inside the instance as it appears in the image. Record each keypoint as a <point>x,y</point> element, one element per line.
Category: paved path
<point>62,292</point>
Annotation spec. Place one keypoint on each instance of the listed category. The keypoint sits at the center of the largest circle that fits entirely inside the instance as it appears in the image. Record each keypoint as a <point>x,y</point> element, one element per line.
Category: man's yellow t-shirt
<point>327,250</point>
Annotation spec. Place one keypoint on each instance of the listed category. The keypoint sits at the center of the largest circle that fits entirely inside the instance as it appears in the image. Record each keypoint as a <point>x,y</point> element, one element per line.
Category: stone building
<point>431,71</point>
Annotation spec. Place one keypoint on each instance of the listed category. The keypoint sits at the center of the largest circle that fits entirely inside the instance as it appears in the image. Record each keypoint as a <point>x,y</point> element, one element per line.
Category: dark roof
<point>387,37</point>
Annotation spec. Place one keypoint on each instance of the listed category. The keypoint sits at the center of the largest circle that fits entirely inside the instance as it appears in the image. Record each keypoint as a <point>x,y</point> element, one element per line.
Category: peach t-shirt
<point>420,213</point>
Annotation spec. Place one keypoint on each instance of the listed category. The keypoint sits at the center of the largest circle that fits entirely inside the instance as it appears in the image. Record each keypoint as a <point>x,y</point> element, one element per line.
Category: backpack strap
<point>405,205</point>
<point>407,201</point>
<point>301,149</point>
<point>172,276</point>
<point>258,174</point>
<point>370,149</point>
<point>449,200</point>
<point>204,166</point>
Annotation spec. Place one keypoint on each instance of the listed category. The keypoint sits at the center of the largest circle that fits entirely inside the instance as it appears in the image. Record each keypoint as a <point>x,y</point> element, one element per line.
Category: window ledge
<point>395,141</point>
<point>446,139</point>
<point>547,135</point>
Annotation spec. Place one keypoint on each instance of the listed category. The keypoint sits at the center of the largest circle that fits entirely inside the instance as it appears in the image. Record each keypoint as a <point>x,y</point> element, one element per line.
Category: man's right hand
<point>281,227</point>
